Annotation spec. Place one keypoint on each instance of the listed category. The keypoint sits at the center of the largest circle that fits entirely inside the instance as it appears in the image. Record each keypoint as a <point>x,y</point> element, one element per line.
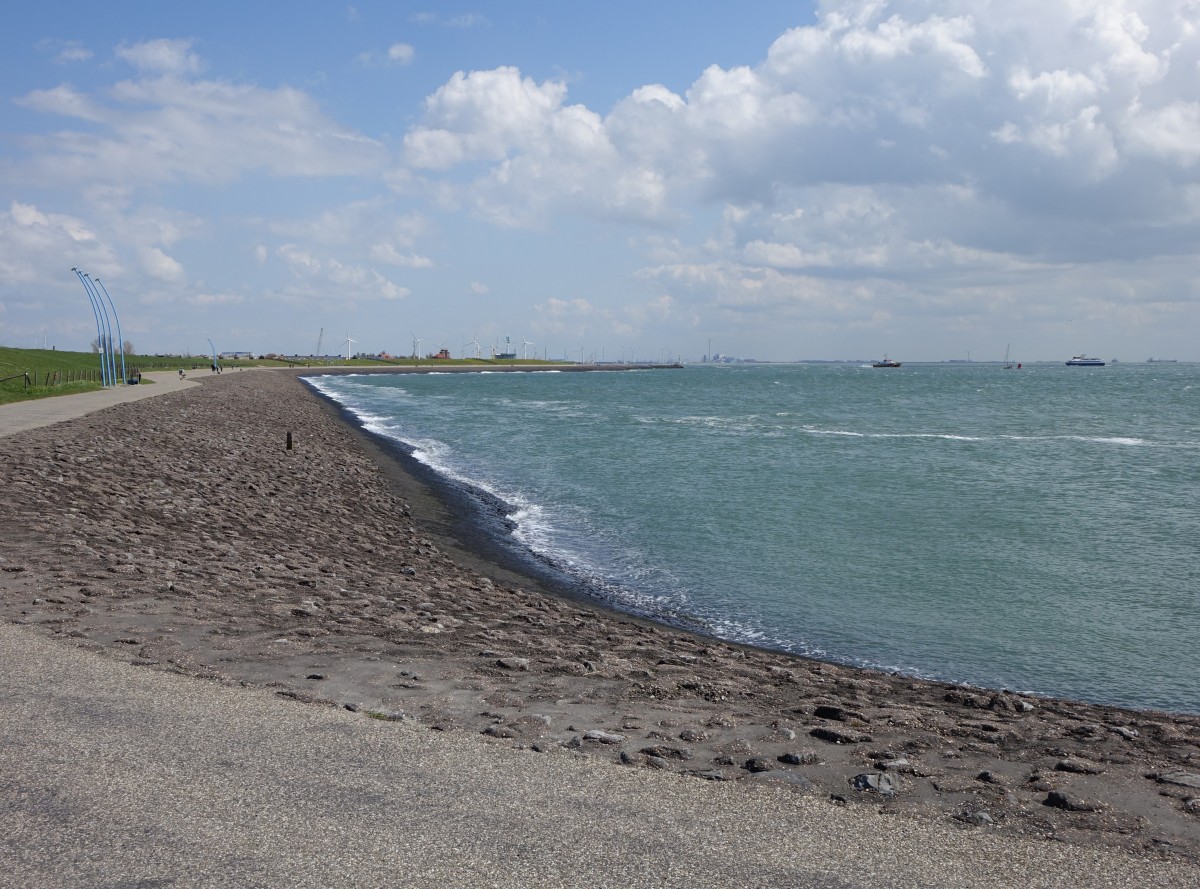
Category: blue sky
<point>922,178</point>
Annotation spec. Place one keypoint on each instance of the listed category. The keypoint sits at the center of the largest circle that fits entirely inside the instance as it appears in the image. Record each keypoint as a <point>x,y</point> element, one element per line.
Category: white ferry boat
<point>1084,361</point>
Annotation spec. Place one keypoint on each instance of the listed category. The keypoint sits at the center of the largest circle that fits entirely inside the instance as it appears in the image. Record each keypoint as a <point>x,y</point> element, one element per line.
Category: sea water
<point>1034,529</point>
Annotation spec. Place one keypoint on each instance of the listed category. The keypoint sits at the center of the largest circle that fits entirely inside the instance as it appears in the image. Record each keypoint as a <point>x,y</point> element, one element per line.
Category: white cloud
<point>1170,133</point>
<point>162,56</point>
<point>387,253</point>
<point>400,54</point>
<point>396,54</point>
<point>72,51</point>
<point>170,128</point>
<point>35,245</point>
<point>329,277</point>
<point>160,266</point>
<point>217,299</point>
<point>483,115</point>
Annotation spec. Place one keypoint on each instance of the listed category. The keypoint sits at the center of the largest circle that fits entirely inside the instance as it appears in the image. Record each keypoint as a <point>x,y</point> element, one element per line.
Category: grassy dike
<point>40,373</point>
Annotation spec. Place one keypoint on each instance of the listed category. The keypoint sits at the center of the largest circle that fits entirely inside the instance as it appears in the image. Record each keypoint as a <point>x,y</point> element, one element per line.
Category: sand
<point>180,533</point>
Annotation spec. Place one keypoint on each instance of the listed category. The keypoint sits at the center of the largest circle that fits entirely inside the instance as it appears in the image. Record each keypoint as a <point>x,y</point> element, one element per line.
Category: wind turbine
<point>527,345</point>
<point>347,345</point>
<point>474,342</point>
<point>416,346</point>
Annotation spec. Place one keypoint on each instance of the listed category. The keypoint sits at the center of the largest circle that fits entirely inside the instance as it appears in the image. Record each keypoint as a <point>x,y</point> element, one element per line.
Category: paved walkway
<point>21,415</point>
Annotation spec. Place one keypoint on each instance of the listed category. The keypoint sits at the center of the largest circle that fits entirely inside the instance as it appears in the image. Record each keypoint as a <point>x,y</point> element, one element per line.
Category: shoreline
<point>212,551</point>
<point>476,526</point>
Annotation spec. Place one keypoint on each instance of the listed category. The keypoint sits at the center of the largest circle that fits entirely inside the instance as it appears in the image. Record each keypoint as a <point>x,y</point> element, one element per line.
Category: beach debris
<point>386,715</point>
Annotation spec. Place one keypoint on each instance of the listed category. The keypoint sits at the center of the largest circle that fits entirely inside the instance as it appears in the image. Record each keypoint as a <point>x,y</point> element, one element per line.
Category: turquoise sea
<point>1033,529</point>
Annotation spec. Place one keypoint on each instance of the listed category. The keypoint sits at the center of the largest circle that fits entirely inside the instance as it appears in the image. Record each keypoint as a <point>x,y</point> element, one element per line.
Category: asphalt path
<point>121,776</point>
<point>21,415</point>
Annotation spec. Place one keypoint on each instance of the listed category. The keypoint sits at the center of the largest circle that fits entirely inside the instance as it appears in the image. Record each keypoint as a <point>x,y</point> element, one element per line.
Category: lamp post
<point>120,341</point>
<point>108,353</point>
<point>99,327</point>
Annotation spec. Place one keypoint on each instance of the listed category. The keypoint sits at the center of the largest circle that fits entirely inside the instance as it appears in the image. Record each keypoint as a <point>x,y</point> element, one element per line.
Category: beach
<point>181,534</point>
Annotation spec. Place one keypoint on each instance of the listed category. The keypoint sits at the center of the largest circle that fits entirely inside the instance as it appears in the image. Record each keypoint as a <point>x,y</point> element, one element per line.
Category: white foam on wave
<point>844,432</point>
<point>1110,439</point>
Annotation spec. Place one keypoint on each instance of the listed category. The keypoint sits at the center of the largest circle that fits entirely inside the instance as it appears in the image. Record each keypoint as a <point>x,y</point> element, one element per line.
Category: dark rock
<point>664,752</point>
<point>781,776</point>
<point>966,699</point>
<point>1058,799</point>
<point>800,758</point>
<point>883,784</point>
<point>839,714</point>
<point>758,764</point>
<point>513,663</point>
<point>499,731</point>
<point>1179,778</point>
<point>839,736</point>
<point>603,737</point>
<point>1078,767</point>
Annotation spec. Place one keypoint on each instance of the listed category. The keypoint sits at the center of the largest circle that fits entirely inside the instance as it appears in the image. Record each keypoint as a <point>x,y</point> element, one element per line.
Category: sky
<point>924,179</point>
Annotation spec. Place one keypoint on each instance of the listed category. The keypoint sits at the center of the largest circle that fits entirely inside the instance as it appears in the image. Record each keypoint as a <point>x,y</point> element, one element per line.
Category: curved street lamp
<point>108,351</point>
<point>99,327</point>
<point>120,341</point>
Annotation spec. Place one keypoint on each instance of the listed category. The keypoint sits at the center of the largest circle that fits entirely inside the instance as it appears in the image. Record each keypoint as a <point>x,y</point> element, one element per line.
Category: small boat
<point>886,362</point>
<point>1008,365</point>
<point>1084,361</point>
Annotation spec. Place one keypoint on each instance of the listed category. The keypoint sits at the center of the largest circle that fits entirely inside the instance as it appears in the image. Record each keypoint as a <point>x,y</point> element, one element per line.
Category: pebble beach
<point>182,534</point>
